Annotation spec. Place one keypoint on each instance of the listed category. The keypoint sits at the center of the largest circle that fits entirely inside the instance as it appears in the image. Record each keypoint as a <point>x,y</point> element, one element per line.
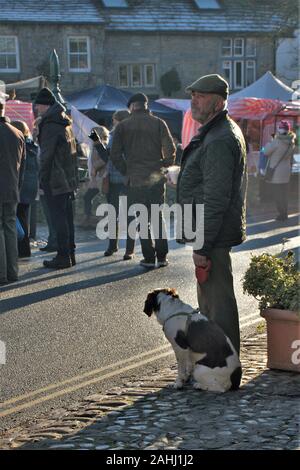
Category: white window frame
<point>231,45</point>
<point>252,67</point>
<point>81,70</point>
<point>146,84</point>
<point>227,65</point>
<point>255,47</point>
<point>17,54</point>
<point>131,75</point>
<point>243,47</point>
<point>242,62</point>
<point>128,75</point>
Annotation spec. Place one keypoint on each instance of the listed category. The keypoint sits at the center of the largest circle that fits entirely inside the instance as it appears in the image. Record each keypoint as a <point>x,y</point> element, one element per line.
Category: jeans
<point>148,195</point>
<point>8,242</point>
<point>23,216</point>
<point>52,242</point>
<point>61,210</point>
<point>216,297</point>
<point>87,198</point>
<point>115,191</point>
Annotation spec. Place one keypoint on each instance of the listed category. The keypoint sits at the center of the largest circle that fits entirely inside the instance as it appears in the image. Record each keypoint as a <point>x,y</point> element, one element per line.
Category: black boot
<point>59,262</point>
<point>73,259</point>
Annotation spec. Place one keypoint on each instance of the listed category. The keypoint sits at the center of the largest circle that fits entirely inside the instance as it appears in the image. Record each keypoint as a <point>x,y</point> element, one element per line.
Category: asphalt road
<point>72,332</point>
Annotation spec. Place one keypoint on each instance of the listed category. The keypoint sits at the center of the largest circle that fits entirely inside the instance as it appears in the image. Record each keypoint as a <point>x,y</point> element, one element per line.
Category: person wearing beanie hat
<point>137,98</point>
<point>58,174</point>
<point>284,127</point>
<point>280,153</point>
<point>213,176</point>
<point>146,142</point>
<point>45,96</point>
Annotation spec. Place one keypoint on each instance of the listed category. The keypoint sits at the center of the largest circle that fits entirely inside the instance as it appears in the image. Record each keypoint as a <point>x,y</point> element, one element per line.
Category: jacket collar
<point>4,119</point>
<point>210,124</point>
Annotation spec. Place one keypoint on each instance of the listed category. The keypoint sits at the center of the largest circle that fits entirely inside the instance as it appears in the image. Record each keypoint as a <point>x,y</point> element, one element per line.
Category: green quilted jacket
<point>213,173</point>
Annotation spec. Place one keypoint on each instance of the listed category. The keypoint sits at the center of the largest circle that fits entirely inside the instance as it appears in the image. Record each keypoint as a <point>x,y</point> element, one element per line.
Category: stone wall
<point>36,43</point>
<point>192,55</point>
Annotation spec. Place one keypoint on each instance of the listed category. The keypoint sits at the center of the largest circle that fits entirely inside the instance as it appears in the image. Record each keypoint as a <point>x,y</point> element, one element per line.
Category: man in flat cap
<point>58,173</point>
<point>213,174</point>
<point>146,142</point>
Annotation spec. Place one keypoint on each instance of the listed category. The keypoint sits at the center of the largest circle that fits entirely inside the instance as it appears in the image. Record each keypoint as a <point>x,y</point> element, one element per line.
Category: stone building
<point>131,44</point>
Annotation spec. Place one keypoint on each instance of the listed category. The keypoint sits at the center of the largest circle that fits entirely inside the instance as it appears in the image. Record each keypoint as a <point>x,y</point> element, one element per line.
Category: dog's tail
<point>181,340</point>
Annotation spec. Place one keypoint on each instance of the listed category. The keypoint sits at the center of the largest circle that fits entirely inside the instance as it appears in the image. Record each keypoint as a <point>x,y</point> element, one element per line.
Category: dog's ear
<point>173,292</point>
<point>151,303</point>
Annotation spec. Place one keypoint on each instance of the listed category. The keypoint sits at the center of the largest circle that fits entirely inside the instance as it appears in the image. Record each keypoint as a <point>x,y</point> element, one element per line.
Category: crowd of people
<point>131,160</point>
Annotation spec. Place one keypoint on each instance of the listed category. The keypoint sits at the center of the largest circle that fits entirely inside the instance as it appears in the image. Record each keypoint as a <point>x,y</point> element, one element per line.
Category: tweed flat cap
<point>210,84</point>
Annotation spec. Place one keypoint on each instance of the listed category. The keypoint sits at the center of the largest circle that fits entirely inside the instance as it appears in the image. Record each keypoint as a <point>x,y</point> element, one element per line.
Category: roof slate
<point>50,11</point>
<point>147,15</point>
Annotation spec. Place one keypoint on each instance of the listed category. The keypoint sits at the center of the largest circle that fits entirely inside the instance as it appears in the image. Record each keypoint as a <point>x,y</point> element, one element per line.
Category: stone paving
<point>263,414</point>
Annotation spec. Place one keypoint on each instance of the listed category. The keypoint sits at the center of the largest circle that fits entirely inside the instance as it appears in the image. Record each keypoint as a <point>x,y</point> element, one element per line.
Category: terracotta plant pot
<point>283,337</point>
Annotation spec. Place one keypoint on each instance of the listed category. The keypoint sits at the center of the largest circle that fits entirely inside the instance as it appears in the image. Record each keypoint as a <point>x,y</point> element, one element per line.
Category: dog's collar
<point>180,314</point>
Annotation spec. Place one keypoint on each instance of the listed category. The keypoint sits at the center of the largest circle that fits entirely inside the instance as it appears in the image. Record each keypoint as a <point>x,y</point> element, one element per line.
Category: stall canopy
<point>20,111</point>
<point>101,102</point>
<point>268,87</point>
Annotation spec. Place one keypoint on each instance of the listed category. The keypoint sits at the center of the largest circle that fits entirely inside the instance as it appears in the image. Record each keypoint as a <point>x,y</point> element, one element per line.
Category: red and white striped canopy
<point>255,109</point>
<point>20,111</point>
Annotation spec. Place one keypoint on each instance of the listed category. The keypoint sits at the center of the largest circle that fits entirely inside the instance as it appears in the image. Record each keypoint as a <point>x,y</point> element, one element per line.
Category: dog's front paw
<point>178,384</point>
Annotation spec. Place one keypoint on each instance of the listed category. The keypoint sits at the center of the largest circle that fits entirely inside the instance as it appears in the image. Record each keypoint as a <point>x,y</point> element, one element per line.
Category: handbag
<point>269,173</point>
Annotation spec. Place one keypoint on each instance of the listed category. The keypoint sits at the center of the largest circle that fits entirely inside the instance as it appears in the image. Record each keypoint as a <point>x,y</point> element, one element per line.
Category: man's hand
<point>200,260</point>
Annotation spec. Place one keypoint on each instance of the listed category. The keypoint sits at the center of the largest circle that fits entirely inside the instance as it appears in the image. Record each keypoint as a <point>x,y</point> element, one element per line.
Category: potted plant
<point>274,281</point>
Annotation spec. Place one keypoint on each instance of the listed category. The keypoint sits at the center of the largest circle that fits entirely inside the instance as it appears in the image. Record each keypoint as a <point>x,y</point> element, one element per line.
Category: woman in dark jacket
<point>29,187</point>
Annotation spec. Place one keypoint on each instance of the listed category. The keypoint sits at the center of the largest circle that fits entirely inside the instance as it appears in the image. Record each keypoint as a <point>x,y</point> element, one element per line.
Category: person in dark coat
<point>12,160</point>
<point>58,173</point>
<point>146,142</point>
<point>29,188</point>
<point>213,173</point>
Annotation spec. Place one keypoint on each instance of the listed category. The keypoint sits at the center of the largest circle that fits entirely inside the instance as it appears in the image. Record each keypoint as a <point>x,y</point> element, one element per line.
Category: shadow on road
<point>257,243</point>
<point>35,297</point>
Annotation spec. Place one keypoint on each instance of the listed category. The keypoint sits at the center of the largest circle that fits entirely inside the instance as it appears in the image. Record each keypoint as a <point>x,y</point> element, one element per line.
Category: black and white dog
<point>200,345</point>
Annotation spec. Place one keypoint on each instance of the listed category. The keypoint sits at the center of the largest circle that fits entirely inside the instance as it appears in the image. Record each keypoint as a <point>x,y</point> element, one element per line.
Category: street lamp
<point>55,76</point>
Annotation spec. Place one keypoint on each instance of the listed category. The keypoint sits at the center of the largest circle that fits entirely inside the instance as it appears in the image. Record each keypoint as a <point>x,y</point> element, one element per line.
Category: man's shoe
<point>281,218</point>
<point>147,263</point>
<point>110,252</point>
<point>161,263</point>
<point>59,262</point>
<point>48,248</point>
<point>73,259</point>
<point>128,256</point>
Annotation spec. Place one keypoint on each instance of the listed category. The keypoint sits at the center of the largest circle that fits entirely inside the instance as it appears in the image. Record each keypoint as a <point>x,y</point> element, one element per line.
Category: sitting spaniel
<point>200,345</point>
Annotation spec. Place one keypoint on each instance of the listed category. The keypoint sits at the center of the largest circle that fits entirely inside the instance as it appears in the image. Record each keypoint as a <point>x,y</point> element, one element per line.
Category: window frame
<point>243,47</point>
<point>250,68</point>
<point>143,75</point>
<point>230,71</point>
<point>231,47</point>
<point>127,73</point>
<point>88,53</point>
<point>17,69</point>
<point>242,62</point>
<point>131,75</point>
<point>146,84</point>
<point>255,47</point>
